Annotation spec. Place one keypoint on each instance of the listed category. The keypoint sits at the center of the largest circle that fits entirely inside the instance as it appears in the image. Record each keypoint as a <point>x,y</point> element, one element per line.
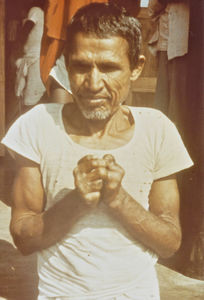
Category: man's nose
<point>95,80</point>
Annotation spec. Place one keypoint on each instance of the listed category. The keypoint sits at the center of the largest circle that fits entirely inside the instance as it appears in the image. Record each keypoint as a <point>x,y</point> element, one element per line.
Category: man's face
<point>99,73</point>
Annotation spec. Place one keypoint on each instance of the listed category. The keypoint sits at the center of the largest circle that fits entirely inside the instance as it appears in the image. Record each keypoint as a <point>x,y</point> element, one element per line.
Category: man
<point>170,43</point>
<point>95,192</point>
<point>29,87</point>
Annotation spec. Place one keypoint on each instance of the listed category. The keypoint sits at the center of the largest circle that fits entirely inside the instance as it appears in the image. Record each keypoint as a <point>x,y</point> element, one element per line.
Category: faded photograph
<point>101,149</point>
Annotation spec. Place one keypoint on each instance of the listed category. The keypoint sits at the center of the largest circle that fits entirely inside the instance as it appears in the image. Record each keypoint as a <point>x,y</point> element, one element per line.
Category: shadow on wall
<point>18,274</point>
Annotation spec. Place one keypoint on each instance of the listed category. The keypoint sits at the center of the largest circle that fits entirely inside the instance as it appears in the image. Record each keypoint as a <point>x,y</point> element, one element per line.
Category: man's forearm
<point>155,8</point>
<point>159,233</point>
<point>34,232</point>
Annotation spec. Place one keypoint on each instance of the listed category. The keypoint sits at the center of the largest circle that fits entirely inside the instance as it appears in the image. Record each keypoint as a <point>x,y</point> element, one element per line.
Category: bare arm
<point>155,7</point>
<point>23,36</point>
<point>33,228</point>
<point>159,228</point>
<point>95,179</point>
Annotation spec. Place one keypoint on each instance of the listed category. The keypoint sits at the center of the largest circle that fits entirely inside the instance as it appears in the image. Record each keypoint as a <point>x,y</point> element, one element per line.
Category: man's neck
<point>112,132</point>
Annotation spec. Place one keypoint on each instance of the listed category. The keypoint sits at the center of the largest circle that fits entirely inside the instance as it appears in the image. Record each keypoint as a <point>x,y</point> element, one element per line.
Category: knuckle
<point>91,199</point>
<point>98,184</point>
<point>114,179</point>
<point>109,157</point>
<point>112,187</point>
<point>93,163</point>
<point>114,182</point>
<point>102,172</point>
<point>121,171</point>
<point>84,160</point>
<point>86,157</point>
<point>79,188</point>
<point>75,171</point>
<point>97,163</point>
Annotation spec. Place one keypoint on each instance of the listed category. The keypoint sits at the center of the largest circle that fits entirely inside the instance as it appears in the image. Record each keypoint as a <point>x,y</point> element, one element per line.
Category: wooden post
<point>2,73</point>
<point>144,87</point>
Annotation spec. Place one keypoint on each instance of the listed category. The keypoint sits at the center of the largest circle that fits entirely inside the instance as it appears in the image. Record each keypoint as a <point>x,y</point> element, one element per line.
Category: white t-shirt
<point>33,43</point>
<point>98,259</point>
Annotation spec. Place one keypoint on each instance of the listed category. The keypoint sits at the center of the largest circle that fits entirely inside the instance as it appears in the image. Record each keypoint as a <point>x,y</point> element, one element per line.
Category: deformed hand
<point>112,179</point>
<point>88,177</point>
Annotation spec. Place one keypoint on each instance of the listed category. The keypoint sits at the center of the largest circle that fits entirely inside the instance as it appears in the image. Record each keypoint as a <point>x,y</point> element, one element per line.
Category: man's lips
<point>94,101</point>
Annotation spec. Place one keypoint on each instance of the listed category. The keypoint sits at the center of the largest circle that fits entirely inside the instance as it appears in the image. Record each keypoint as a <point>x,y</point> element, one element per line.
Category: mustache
<point>100,94</point>
<point>94,96</point>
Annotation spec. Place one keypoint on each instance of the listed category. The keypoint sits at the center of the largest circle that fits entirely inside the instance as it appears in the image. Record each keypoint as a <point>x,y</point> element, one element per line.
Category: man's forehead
<point>85,44</point>
<point>110,41</point>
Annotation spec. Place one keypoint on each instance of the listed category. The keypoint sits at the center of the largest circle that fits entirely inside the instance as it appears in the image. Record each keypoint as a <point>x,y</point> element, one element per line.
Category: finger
<point>95,186</point>
<point>109,158</point>
<point>87,158</point>
<point>111,163</point>
<point>114,175</point>
<point>87,183</point>
<point>92,199</point>
<point>90,164</point>
<point>85,163</point>
<point>98,173</point>
<point>115,168</point>
<point>83,179</point>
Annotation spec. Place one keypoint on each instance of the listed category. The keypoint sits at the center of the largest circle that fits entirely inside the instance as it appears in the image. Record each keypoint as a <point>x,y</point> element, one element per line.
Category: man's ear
<point>138,69</point>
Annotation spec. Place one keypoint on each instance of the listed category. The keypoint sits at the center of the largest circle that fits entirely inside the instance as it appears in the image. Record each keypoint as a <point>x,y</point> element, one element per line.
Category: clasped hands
<point>98,179</point>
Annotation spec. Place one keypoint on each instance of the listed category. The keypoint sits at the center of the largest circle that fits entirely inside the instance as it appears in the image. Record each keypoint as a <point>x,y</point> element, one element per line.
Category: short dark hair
<point>105,20</point>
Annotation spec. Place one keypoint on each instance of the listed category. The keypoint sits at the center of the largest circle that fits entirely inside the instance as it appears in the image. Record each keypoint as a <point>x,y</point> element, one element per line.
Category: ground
<point>18,276</point>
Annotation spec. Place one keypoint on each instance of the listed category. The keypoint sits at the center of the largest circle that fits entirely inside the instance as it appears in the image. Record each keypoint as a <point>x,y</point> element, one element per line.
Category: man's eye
<point>108,68</point>
<point>81,68</point>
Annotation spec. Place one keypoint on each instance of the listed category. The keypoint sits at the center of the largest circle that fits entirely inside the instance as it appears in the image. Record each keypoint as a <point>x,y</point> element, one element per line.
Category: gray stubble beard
<point>96,115</point>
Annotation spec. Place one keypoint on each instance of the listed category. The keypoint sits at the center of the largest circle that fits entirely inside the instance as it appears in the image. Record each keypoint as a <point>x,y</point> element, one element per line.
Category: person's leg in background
<point>161,100</point>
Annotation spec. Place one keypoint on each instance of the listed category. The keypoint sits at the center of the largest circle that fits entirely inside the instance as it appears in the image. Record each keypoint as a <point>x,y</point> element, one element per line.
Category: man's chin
<point>96,115</point>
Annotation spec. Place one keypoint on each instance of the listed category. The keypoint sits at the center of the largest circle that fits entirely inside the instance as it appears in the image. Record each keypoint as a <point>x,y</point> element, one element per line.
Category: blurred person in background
<point>170,43</point>
<point>29,87</point>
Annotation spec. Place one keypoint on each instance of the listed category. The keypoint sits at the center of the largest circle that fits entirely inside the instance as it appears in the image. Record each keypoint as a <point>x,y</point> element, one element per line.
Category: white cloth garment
<point>60,74</point>
<point>172,27</point>
<point>98,259</point>
<point>28,85</point>
<point>33,45</point>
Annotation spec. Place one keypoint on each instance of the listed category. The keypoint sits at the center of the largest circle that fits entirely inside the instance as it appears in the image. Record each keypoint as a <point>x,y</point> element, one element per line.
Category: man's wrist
<point>119,199</point>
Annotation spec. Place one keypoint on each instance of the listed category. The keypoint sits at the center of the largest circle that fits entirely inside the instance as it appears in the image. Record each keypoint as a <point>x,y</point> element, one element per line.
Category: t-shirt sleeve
<point>22,137</point>
<point>33,15</point>
<point>171,154</point>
